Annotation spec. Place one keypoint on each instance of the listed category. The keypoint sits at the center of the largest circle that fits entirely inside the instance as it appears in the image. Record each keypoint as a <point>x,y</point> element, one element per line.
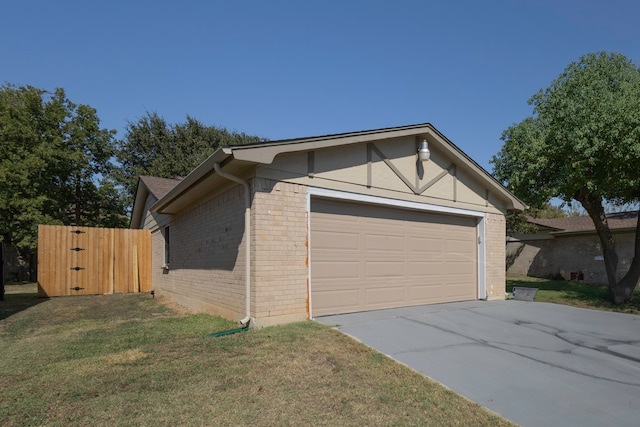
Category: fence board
<point>92,261</point>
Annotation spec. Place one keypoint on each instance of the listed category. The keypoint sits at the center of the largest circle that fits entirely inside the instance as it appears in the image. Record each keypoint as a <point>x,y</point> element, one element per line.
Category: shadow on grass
<point>18,298</point>
<point>574,293</point>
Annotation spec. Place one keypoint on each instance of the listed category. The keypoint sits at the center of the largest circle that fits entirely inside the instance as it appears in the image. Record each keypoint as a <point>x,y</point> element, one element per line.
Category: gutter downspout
<point>247,228</point>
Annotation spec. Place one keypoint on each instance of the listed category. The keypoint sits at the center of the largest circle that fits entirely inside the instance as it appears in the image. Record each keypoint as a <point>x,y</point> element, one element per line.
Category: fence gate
<point>92,261</point>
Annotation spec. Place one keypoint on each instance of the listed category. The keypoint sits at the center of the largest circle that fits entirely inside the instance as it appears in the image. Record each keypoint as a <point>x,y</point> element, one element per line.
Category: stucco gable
<point>349,160</point>
<point>389,166</point>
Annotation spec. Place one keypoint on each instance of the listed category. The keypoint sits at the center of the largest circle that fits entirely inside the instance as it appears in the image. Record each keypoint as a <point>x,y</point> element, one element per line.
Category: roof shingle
<point>616,221</point>
<point>159,187</point>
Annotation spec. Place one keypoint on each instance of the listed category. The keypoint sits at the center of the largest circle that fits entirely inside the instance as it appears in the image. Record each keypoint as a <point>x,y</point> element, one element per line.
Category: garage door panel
<point>454,292</point>
<point>392,257</point>
<point>458,246</point>
<point>383,296</point>
<point>426,293</point>
<point>426,244</point>
<point>384,269</point>
<point>332,240</point>
<point>379,242</point>
<point>336,270</point>
<point>457,269</point>
<point>346,299</point>
<point>424,269</point>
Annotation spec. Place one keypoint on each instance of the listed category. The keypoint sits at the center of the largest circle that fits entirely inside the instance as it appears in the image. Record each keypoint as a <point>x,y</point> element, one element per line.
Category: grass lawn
<point>130,360</point>
<point>574,293</point>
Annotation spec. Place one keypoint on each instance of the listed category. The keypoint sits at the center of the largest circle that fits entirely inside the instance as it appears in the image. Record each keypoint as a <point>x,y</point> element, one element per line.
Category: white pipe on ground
<point>247,234</point>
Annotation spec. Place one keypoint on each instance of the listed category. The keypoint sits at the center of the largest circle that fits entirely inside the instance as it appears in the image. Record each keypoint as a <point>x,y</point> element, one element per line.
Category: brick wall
<point>279,252</point>
<point>565,256</point>
<point>207,256</point>
<point>495,238</point>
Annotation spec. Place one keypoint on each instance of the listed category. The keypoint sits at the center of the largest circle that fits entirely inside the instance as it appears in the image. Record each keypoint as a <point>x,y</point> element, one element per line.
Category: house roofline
<point>562,233</point>
<point>138,204</point>
<point>265,153</point>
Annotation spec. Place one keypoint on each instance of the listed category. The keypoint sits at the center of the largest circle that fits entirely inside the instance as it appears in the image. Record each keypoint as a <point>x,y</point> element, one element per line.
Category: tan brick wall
<point>207,256</point>
<point>561,256</point>
<point>279,252</point>
<point>495,235</point>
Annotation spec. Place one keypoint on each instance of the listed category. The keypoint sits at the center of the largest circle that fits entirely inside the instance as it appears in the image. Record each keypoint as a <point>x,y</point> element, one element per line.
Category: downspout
<point>247,246</point>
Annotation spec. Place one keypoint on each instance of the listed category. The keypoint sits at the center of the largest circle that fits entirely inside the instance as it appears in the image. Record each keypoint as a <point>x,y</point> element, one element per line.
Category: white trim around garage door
<point>404,204</point>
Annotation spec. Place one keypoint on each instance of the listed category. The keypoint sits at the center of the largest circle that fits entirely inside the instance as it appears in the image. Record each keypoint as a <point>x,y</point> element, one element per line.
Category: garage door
<point>368,257</point>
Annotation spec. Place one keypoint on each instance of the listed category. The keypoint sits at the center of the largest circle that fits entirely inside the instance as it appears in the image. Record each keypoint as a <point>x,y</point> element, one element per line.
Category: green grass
<point>129,360</point>
<point>577,294</point>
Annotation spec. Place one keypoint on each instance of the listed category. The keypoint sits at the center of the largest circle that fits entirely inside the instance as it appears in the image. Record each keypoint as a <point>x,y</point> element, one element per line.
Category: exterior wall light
<point>423,152</point>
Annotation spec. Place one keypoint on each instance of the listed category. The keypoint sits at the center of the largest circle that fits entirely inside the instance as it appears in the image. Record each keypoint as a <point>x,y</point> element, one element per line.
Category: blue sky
<point>286,69</point>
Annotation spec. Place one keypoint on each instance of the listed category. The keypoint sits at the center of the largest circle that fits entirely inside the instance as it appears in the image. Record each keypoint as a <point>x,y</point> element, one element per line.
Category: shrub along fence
<point>92,261</point>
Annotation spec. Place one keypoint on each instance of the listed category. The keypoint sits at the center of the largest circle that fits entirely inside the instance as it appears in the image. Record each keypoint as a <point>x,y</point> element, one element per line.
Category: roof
<point>238,157</point>
<point>159,187</point>
<point>617,221</point>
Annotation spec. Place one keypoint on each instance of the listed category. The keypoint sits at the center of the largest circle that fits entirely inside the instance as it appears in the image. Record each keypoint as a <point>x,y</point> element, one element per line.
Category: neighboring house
<point>569,248</point>
<point>288,230</point>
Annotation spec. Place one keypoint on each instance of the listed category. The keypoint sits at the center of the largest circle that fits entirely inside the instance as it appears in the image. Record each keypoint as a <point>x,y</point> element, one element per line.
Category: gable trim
<point>265,153</point>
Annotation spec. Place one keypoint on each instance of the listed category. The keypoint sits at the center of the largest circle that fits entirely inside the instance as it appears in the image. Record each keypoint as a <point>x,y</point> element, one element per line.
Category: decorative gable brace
<point>450,170</point>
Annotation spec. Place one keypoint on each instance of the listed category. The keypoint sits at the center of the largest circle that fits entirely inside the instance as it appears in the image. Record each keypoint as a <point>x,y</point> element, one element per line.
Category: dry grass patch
<point>130,360</point>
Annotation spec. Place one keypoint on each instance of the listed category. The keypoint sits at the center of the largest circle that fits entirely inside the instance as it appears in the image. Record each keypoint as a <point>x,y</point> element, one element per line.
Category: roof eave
<point>592,231</point>
<point>516,203</point>
<point>142,192</point>
<point>265,153</point>
<point>202,171</point>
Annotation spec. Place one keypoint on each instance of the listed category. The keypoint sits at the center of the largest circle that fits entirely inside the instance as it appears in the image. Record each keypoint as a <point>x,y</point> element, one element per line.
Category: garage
<point>285,231</point>
<point>369,257</point>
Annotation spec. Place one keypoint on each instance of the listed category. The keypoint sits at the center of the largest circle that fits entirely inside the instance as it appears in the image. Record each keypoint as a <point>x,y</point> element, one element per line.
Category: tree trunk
<point>619,292</point>
<point>623,291</point>
<point>593,205</point>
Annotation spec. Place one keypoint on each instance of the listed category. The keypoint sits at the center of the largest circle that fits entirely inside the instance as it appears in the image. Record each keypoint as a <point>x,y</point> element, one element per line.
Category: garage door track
<point>536,364</point>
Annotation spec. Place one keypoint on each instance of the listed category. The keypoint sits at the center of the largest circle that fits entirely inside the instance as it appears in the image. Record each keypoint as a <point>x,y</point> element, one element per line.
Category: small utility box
<point>524,294</point>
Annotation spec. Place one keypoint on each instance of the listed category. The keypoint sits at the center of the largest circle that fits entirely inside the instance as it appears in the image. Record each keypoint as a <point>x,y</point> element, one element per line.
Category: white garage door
<point>368,257</point>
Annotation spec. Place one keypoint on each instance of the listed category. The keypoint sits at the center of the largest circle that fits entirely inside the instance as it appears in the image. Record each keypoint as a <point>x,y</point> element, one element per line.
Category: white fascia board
<point>406,204</point>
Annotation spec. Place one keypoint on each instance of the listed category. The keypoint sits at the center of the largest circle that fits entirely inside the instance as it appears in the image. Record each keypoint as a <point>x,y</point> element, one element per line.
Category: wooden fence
<point>92,261</point>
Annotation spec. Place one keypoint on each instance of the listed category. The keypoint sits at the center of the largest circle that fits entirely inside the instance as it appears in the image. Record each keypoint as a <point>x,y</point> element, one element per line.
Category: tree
<point>54,166</point>
<point>550,211</point>
<point>582,143</point>
<point>153,147</point>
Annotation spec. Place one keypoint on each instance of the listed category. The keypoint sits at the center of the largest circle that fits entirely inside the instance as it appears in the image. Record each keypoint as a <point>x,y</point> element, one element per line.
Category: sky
<point>284,69</point>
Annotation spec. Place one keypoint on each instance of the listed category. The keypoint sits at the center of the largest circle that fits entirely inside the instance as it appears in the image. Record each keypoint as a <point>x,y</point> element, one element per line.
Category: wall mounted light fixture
<point>423,151</point>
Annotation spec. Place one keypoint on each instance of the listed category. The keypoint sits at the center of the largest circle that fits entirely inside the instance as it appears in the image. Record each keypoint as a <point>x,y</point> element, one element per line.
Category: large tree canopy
<point>153,147</point>
<point>54,163</point>
<point>582,143</point>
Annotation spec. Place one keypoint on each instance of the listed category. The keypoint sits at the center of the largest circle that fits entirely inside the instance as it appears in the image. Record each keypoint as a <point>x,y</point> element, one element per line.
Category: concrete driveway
<point>536,364</point>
